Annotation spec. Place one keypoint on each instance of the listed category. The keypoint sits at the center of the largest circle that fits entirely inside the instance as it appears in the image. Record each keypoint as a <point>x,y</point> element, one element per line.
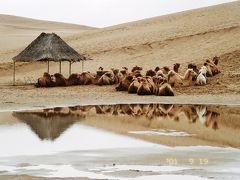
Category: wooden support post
<point>48,66</point>
<point>82,65</point>
<point>14,69</point>
<point>60,67</point>
<point>70,68</point>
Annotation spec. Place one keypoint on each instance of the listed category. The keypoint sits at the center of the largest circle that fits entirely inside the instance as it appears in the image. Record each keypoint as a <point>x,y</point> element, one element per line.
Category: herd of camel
<point>152,112</point>
<point>154,82</point>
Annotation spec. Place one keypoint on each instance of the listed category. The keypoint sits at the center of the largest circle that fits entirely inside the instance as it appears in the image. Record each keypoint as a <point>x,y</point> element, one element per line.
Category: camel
<point>107,79</point>
<point>74,79</point>
<point>125,83</point>
<point>134,85</point>
<point>118,75</point>
<point>151,83</point>
<point>86,78</point>
<point>162,88</point>
<point>158,81</point>
<point>144,88</point>
<point>213,67</point>
<point>45,81</point>
<point>209,70</point>
<point>60,80</point>
<point>202,76</point>
<point>175,79</point>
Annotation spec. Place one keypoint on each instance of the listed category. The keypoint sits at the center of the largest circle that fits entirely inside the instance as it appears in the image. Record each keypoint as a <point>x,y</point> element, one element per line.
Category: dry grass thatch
<point>49,47</point>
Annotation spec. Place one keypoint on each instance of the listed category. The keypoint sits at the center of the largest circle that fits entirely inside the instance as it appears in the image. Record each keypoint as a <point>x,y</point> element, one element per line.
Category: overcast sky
<point>98,13</point>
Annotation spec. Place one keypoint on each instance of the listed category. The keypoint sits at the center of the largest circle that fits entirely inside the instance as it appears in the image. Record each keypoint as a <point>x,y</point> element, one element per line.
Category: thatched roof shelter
<point>49,47</point>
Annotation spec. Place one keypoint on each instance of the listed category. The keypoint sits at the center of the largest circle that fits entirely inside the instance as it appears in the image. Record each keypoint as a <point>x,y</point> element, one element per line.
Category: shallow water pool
<point>127,141</point>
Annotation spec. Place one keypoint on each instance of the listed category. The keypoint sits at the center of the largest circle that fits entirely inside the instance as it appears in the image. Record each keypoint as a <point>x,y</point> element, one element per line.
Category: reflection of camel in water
<point>208,118</point>
<point>49,124</point>
<point>164,112</point>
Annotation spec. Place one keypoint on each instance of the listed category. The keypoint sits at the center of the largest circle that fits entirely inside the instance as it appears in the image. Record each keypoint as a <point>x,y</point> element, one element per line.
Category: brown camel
<point>45,81</point>
<point>144,88</point>
<point>213,67</point>
<point>60,80</point>
<point>125,83</point>
<point>162,88</point>
<point>107,79</point>
<point>175,79</point>
<point>86,78</point>
<point>134,85</point>
<point>74,79</point>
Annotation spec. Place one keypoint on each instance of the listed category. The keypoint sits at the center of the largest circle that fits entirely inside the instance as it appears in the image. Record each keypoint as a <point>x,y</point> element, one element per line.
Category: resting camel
<point>60,80</point>
<point>45,81</point>
<point>134,85</point>
<point>144,88</point>
<point>107,79</point>
<point>125,83</point>
<point>74,79</point>
<point>202,76</point>
<point>213,67</point>
<point>86,78</point>
<point>162,88</point>
<point>118,75</point>
<point>151,83</point>
<point>175,79</point>
<point>209,70</point>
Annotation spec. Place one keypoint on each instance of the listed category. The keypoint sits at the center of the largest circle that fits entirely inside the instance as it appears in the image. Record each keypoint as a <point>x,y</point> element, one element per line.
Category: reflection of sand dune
<point>48,125</point>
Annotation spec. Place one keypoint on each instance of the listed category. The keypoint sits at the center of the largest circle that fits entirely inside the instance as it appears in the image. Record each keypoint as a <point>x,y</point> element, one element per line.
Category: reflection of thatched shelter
<point>49,47</point>
<point>48,125</point>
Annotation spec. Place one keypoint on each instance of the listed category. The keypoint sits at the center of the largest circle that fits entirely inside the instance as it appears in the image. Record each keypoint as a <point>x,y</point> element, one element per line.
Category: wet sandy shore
<point>29,97</point>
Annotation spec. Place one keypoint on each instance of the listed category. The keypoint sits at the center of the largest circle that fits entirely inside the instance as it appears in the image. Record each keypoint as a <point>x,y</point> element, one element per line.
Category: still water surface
<point>122,142</point>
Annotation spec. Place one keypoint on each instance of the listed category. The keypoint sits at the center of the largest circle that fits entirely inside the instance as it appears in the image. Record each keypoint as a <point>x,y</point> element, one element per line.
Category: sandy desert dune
<point>190,36</point>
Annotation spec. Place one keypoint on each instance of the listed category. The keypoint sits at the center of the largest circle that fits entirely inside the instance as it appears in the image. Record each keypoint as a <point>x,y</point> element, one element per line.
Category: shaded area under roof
<point>49,47</point>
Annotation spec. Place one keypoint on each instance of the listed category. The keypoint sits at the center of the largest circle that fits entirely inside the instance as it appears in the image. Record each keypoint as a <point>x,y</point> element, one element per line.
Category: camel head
<point>100,68</point>
<point>150,73</point>
<point>165,69</point>
<point>136,68</point>
<point>176,67</point>
<point>215,60</point>
<point>157,69</point>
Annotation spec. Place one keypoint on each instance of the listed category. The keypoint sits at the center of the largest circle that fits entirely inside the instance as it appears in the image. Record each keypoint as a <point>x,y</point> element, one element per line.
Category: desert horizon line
<point>116,24</point>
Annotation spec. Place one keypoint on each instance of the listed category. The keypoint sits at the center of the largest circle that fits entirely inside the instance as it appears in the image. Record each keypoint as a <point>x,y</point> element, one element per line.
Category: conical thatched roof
<point>49,46</point>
